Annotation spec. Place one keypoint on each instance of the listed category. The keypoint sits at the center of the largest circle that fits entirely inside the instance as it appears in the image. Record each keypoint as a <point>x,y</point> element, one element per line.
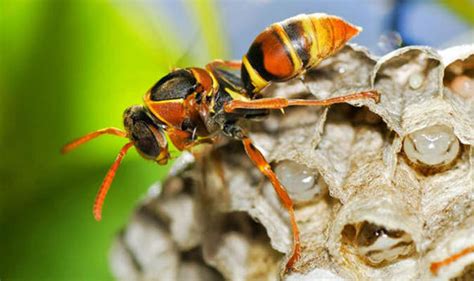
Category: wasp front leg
<point>184,140</point>
<point>281,103</point>
<point>259,161</point>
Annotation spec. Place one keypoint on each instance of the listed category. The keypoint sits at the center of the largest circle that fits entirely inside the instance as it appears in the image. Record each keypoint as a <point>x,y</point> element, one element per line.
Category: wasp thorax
<point>300,181</point>
<point>147,136</point>
<point>176,85</point>
<point>434,146</point>
<point>376,244</point>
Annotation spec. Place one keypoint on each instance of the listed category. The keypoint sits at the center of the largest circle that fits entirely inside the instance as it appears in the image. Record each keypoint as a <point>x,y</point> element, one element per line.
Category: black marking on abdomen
<point>295,31</point>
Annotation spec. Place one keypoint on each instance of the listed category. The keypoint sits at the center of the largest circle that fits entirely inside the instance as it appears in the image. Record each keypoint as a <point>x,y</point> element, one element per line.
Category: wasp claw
<point>375,96</point>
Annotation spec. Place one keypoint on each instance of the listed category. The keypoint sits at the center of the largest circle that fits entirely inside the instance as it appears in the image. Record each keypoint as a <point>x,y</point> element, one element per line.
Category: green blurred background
<point>70,67</point>
<point>67,68</point>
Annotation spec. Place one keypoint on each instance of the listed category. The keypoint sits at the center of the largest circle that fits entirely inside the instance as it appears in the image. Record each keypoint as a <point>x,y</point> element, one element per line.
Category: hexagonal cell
<point>459,77</point>
<point>239,248</point>
<point>302,183</point>
<point>433,149</point>
<point>379,219</point>
<point>377,245</point>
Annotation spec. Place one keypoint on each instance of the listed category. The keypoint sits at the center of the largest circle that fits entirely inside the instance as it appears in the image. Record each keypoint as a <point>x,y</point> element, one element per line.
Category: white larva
<point>300,181</point>
<point>432,146</point>
<point>377,245</point>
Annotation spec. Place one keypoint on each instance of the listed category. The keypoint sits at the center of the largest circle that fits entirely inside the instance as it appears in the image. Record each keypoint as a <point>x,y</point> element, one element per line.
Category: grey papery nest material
<point>383,191</point>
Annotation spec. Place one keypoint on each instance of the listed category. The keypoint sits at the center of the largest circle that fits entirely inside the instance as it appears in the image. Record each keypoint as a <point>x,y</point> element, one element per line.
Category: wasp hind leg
<point>281,103</point>
<point>261,163</point>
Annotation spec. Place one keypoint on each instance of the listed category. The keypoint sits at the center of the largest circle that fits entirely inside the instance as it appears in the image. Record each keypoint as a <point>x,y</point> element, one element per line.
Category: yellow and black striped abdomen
<point>286,49</point>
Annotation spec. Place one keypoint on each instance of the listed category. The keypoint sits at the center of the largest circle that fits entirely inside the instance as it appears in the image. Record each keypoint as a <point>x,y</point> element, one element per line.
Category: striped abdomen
<point>288,48</point>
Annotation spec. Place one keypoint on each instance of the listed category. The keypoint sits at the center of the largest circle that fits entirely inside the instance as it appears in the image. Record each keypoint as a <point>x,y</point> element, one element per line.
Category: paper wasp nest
<point>383,191</point>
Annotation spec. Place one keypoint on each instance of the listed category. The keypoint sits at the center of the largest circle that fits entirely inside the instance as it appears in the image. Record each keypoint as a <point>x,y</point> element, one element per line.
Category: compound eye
<point>148,137</point>
<point>145,141</point>
<point>176,85</point>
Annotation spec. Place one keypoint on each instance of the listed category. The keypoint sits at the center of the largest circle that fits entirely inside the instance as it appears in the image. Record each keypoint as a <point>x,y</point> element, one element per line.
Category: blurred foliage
<point>463,8</point>
<point>67,68</point>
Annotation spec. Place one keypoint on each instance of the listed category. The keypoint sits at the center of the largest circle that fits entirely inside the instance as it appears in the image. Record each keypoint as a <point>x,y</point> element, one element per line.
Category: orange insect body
<point>193,105</point>
<point>286,49</point>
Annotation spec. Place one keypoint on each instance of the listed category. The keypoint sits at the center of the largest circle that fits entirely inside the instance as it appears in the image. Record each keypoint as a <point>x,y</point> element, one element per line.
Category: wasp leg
<point>104,188</point>
<point>189,146</point>
<point>258,160</point>
<point>437,265</point>
<point>280,103</point>
<point>184,140</point>
<point>79,141</point>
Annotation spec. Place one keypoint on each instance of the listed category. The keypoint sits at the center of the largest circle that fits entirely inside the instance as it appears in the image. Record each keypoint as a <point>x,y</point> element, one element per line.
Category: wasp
<point>194,105</point>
